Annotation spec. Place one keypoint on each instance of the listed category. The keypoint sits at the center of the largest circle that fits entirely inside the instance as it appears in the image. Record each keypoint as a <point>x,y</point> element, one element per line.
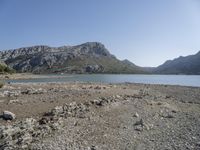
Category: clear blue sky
<point>147,32</point>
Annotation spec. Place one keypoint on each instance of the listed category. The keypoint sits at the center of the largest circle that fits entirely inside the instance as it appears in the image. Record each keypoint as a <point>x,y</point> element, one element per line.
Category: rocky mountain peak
<point>93,48</point>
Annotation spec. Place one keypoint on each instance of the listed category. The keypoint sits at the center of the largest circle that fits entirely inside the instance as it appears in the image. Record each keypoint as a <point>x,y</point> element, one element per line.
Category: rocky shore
<point>22,76</point>
<point>94,116</point>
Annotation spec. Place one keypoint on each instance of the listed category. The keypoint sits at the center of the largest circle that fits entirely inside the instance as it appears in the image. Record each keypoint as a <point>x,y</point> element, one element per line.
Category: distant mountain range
<point>181,65</point>
<point>90,57</point>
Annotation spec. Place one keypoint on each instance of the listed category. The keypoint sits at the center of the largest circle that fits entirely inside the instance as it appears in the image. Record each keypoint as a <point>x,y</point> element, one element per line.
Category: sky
<point>146,32</point>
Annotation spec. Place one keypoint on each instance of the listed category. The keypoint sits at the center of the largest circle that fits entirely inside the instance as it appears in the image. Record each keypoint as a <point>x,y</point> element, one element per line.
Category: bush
<point>1,84</point>
<point>5,69</point>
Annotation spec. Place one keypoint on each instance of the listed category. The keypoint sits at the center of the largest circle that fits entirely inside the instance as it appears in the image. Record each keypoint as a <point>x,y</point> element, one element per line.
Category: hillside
<point>91,57</point>
<point>181,65</point>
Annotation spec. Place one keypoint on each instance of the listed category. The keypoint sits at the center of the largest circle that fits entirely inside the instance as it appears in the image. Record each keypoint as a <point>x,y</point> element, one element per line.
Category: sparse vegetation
<point>5,69</point>
<point>1,84</point>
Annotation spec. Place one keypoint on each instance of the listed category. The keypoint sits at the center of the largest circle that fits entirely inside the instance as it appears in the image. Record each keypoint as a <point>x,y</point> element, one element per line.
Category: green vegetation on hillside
<point>5,69</point>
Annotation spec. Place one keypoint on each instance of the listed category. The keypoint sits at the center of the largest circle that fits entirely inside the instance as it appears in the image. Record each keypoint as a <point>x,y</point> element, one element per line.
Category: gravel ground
<point>110,116</point>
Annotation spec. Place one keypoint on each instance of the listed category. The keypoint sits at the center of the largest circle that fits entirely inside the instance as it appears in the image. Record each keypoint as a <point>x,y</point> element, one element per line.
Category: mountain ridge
<point>89,57</point>
<point>182,65</point>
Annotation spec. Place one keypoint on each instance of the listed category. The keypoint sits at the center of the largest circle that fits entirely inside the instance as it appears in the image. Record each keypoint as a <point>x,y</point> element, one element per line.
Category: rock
<point>44,120</point>
<point>97,102</point>
<point>57,110</point>
<point>7,115</point>
<point>168,116</point>
<point>75,123</point>
<point>24,140</point>
<point>136,115</point>
<point>174,111</point>
<point>92,147</point>
<point>93,68</point>
<point>138,128</point>
<point>28,124</point>
<point>11,93</point>
<point>7,77</point>
<point>198,144</point>
<point>140,122</point>
<point>167,96</point>
<point>33,91</point>
<point>18,135</point>
<point>118,96</point>
<point>97,88</point>
<point>13,101</point>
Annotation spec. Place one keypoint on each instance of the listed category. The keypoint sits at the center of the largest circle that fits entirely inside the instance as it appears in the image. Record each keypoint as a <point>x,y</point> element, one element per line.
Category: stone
<point>136,115</point>
<point>11,93</point>
<point>97,88</point>
<point>13,101</point>
<point>97,102</point>
<point>140,122</point>
<point>57,110</point>
<point>138,128</point>
<point>7,115</point>
<point>118,96</point>
<point>169,116</point>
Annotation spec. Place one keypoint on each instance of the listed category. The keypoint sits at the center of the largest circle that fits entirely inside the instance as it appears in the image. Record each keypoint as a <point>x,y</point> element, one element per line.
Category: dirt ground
<point>123,117</point>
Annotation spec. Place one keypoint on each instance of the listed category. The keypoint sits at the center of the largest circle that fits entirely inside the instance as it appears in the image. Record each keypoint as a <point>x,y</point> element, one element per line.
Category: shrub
<point>5,69</point>
<point>1,84</point>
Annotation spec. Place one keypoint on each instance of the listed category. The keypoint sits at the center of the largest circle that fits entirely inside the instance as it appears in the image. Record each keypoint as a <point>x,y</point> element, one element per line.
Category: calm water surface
<point>186,80</point>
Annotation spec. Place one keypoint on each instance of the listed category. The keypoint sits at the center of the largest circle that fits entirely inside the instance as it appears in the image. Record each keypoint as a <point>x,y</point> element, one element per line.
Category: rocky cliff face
<point>91,57</point>
<point>182,65</point>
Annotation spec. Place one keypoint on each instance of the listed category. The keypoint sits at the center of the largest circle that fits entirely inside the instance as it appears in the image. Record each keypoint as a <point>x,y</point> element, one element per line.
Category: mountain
<point>181,65</point>
<point>90,57</point>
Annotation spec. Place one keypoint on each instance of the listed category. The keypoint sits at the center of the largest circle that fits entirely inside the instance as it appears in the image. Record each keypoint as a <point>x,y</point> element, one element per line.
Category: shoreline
<point>187,81</point>
<point>99,110</point>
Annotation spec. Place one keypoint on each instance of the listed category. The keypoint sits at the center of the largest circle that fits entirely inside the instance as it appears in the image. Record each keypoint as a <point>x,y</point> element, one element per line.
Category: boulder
<point>7,115</point>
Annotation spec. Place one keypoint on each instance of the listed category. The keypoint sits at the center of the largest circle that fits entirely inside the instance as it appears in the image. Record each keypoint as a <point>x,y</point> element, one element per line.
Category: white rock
<point>136,115</point>
<point>7,115</point>
<point>117,96</point>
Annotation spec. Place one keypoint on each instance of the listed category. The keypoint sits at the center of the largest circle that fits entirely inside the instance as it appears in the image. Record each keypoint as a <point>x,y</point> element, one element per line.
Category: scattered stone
<point>138,128</point>
<point>97,88</point>
<point>97,102</point>
<point>33,91</point>
<point>11,93</point>
<point>92,147</point>
<point>44,120</point>
<point>118,96</point>
<point>7,77</point>
<point>13,101</point>
<point>7,115</point>
<point>174,111</point>
<point>167,96</point>
<point>168,116</point>
<point>159,103</point>
<point>198,144</point>
<point>136,115</point>
<point>140,122</point>
<point>75,123</point>
<point>57,110</point>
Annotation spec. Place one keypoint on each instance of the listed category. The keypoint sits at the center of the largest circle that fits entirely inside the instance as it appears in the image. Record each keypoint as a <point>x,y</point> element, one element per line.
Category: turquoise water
<point>186,80</point>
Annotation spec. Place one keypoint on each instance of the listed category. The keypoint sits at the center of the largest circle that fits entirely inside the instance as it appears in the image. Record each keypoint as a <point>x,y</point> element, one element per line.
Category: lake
<point>186,80</point>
